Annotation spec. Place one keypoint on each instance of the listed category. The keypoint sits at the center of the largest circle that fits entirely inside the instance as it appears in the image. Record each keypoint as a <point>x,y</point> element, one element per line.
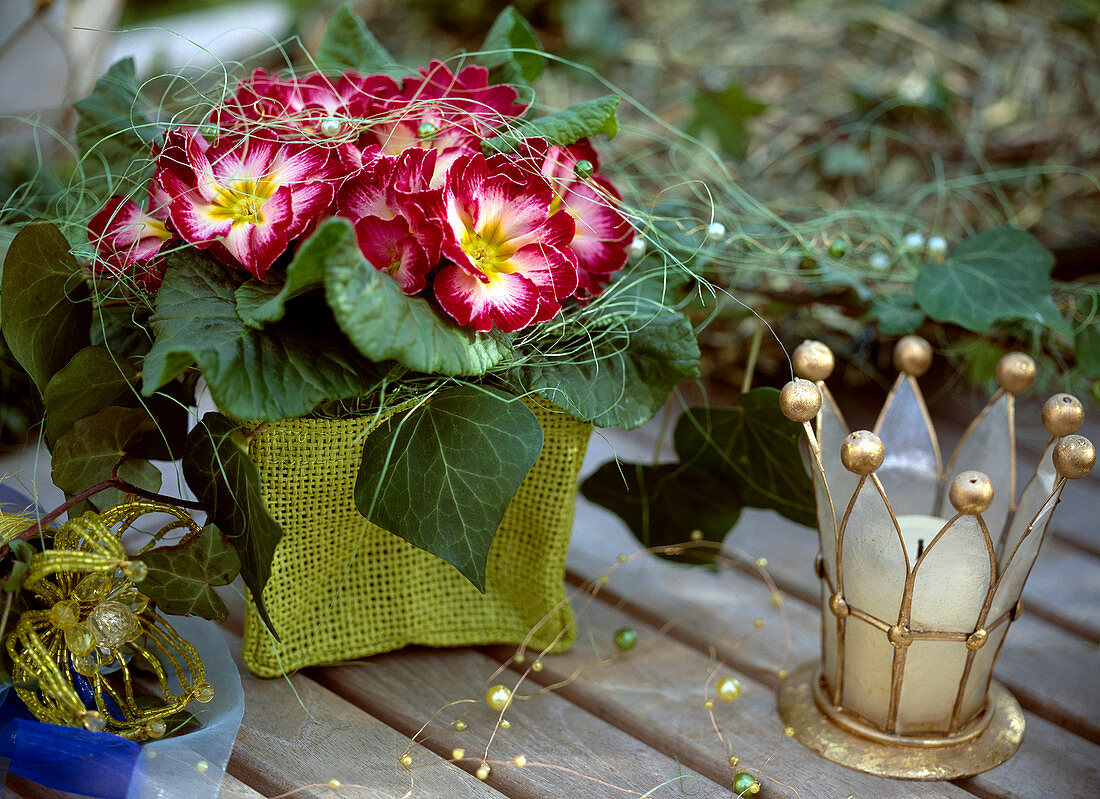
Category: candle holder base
<point>998,741</point>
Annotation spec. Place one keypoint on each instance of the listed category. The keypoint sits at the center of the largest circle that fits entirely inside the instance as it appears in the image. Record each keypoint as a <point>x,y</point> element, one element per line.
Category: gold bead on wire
<point>1074,456</point>
<point>1063,415</point>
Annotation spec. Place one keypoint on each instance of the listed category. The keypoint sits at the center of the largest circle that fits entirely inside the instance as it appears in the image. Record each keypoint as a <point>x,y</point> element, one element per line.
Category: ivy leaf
<point>218,469</point>
<point>502,50</point>
<point>999,274</point>
<point>754,447</point>
<point>348,44</point>
<point>725,114</point>
<point>585,119</point>
<point>279,372</point>
<point>260,302</point>
<point>113,124</point>
<point>386,324</point>
<point>86,454</point>
<point>44,302</point>
<point>622,370</point>
<point>662,505</point>
<point>897,315</point>
<point>441,475</point>
<point>181,578</point>
<point>1087,350</point>
<point>91,381</point>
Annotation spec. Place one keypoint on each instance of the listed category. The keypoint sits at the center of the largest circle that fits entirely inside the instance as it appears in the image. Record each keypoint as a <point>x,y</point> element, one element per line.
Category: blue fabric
<point>96,764</point>
<point>12,501</point>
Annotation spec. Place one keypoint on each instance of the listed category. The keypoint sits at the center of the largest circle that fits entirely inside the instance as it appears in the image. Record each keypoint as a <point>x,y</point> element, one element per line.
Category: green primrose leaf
<point>260,302</point>
<point>91,381</point>
<point>181,578</point>
<point>897,315</point>
<point>999,274</point>
<point>218,469</point>
<point>585,119</point>
<point>279,372</point>
<point>348,44</point>
<point>86,453</point>
<point>441,475</point>
<point>725,114</point>
<point>385,324</point>
<point>753,447</point>
<point>621,371</point>
<point>503,50</point>
<point>44,302</point>
<point>654,503</point>
<point>113,125</point>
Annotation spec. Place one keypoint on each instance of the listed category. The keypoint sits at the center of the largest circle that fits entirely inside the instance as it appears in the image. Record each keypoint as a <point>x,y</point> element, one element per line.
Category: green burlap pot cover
<point>342,588</point>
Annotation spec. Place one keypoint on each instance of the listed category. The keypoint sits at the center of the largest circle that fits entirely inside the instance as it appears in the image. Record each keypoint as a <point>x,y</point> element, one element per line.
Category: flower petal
<point>509,302</point>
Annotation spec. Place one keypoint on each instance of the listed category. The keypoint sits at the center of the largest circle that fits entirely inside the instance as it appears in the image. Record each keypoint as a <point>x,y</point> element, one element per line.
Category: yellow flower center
<point>156,228</point>
<point>490,251</point>
<point>241,201</point>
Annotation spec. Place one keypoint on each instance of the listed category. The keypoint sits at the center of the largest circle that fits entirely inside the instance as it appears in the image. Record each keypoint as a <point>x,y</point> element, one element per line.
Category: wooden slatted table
<point>598,724</point>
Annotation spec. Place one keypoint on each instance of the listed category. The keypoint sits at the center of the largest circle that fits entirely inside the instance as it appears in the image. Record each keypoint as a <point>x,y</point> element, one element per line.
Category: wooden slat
<point>233,788</point>
<point>296,733</point>
<point>656,693</point>
<point>666,590</point>
<point>1050,762</point>
<point>564,744</point>
<point>1064,586</point>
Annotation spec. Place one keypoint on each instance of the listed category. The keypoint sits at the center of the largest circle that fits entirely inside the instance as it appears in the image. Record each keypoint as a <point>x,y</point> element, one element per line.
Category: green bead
<point>625,639</point>
<point>583,169</point>
<point>837,248</point>
<point>427,131</point>
<point>745,784</point>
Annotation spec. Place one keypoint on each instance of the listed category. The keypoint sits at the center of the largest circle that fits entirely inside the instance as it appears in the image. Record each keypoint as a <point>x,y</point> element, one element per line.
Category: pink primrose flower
<point>445,112</point>
<point>396,214</point>
<point>510,259</point>
<point>245,196</point>
<point>316,108</point>
<point>603,233</point>
<point>128,240</point>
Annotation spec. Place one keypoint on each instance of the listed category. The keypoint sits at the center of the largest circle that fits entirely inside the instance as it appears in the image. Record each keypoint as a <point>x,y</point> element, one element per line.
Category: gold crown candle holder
<point>921,570</point>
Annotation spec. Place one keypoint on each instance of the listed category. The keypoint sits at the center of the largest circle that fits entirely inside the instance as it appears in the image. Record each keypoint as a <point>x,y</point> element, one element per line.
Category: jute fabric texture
<point>342,588</point>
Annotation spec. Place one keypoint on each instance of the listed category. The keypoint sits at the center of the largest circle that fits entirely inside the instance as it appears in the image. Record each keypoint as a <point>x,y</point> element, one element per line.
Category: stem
<point>36,527</point>
<point>7,610</point>
<point>754,353</point>
<point>666,417</point>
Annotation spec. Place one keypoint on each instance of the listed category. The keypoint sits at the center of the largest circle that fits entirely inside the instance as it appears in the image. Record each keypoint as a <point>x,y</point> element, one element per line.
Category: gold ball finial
<point>800,400</point>
<point>862,452</point>
<point>813,360</point>
<point>912,355</point>
<point>1063,415</point>
<point>1015,372</point>
<point>971,492</point>
<point>1074,457</point>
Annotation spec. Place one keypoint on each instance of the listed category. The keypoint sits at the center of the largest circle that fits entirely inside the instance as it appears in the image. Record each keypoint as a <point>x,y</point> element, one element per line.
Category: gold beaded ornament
<point>88,623</point>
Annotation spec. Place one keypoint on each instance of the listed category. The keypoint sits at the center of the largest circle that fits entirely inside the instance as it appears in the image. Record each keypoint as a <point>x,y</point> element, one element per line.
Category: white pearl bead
<point>879,260</point>
<point>914,240</point>
<point>937,244</point>
<point>636,248</point>
<point>330,127</point>
<point>716,231</point>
